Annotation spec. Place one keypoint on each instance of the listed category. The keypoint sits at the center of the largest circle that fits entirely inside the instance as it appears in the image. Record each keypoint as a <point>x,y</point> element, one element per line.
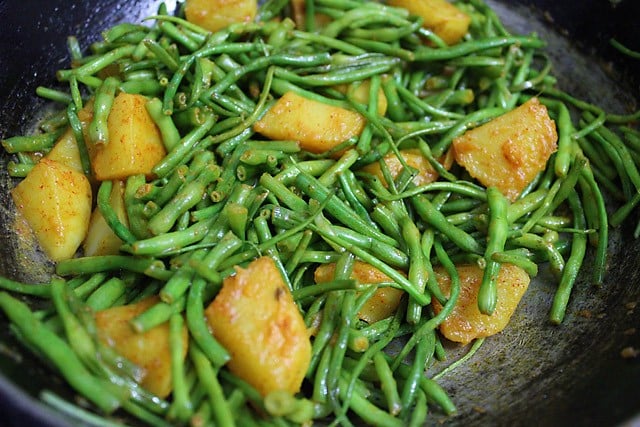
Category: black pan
<point>531,374</point>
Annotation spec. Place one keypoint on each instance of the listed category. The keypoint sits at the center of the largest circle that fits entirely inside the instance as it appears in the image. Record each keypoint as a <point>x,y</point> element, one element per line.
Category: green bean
<point>187,143</point>
<point>94,264</point>
<point>76,412</point>
<point>388,384</point>
<point>181,407</point>
<point>426,54</point>
<point>184,200</point>
<point>330,175</point>
<point>98,128</point>
<point>107,294</point>
<point>565,133</point>
<point>570,272</point>
<point>109,213</point>
<point>198,328</point>
<point>156,315</point>
<point>59,353</point>
<point>530,267</point>
<point>168,130</point>
<point>600,263</point>
<point>369,412</point>
<point>338,208</point>
<point>402,282</point>
<point>430,214</point>
<point>424,350</point>
<point>165,243</point>
<point>41,290</point>
<point>498,226</point>
<point>76,127</point>
<point>93,66</point>
<point>418,273</point>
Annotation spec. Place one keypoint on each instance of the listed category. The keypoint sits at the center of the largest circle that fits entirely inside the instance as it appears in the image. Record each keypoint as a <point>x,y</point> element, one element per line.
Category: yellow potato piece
<point>101,240</point>
<point>385,300</point>
<point>414,158</point>
<point>214,15</point>
<point>149,350</point>
<point>443,18</point>
<point>466,323</point>
<point>256,319</point>
<point>66,151</point>
<point>510,150</point>
<point>135,144</point>
<point>318,127</point>
<point>55,200</point>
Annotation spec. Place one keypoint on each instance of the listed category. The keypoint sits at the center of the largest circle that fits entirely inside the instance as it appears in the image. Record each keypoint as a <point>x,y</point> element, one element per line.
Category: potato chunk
<point>66,151</point>
<point>510,150</point>
<point>414,158</point>
<point>214,15</point>
<point>466,323</point>
<point>443,18</point>
<point>101,240</point>
<point>256,319</point>
<point>135,144</point>
<point>317,126</point>
<point>149,350</point>
<point>55,200</point>
<point>382,304</point>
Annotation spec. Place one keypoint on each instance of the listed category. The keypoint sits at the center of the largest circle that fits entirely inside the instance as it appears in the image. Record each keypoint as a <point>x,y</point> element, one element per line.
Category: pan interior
<point>533,371</point>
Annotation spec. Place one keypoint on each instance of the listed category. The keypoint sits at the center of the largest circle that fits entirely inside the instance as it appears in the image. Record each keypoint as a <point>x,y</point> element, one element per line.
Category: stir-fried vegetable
<point>282,192</point>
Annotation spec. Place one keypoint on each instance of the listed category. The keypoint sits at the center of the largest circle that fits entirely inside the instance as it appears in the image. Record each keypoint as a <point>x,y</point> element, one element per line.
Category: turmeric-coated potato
<point>385,300</point>
<point>214,15</point>
<point>440,16</point>
<point>466,323</point>
<point>256,319</point>
<point>149,350</point>
<point>55,200</point>
<point>66,151</point>
<point>135,144</point>
<point>317,126</point>
<point>510,150</point>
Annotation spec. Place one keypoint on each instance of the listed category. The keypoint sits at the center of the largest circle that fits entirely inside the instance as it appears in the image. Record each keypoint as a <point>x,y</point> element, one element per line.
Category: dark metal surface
<point>533,373</point>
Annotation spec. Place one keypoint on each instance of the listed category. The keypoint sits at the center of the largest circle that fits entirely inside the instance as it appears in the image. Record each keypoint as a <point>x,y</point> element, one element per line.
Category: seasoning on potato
<point>256,319</point>
<point>466,323</point>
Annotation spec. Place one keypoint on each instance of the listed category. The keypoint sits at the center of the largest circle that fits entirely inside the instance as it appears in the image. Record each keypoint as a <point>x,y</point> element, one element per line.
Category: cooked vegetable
<point>442,17</point>
<point>134,145</point>
<point>150,350</point>
<point>280,195</point>
<point>65,151</point>
<point>55,200</point>
<point>510,150</point>
<point>317,126</point>
<point>466,322</point>
<point>215,15</point>
<point>255,318</point>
